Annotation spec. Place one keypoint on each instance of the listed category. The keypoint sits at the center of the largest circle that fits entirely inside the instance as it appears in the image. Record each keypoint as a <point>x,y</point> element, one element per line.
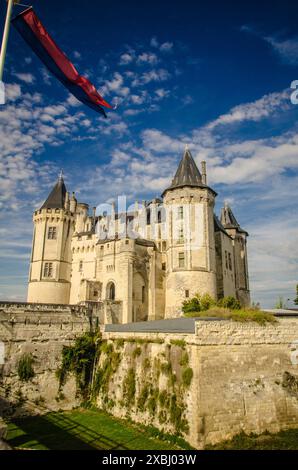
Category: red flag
<point>35,34</point>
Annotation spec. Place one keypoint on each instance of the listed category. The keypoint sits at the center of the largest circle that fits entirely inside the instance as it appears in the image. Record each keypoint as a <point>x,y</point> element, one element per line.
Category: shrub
<point>187,376</point>
<point>79,359</point>
<point>199,303</point>
<point>25,368</point>
<point>229,302</point>
<point>206,302</point>
<point>192,305</point>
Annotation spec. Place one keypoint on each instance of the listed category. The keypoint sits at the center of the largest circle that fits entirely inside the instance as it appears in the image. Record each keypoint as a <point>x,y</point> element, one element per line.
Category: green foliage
<point>79,359</point>
<point>146,364</point>
<point>104,374</point>
<point>284,440</point>
<point>280,303</point>
<point>191,305</point>
<point>187,376</point>
<point>228,308</point>
<point>229,302</point>
<point>199,303</point>
<point>166,368</point>
<point>296,299</point>
<point>206,302</point>
<point>136,352</point>
<point>176,415</point>
<point>143,397</point>
<point>163,399</point>
<point>184,359</point>
<point>106,348</point>
<point>119,343</point>
<point>25,368</point>
<point>178,342</point>
<point>129,387</point>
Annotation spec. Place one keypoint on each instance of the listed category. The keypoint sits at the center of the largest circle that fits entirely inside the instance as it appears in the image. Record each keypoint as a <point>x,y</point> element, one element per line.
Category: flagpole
<point>5,37</point>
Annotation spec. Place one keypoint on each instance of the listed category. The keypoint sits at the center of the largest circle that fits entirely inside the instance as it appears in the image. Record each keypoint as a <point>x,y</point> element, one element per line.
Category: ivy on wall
<point>95,363</point>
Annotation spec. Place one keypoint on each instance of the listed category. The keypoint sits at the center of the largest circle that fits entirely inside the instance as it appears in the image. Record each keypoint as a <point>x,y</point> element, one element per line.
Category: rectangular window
<point>48,270</point>
<point>143,294</point>
<point>52,233</point>
<point>81,266</point>
<point>180,212</point>
<point>181,235</point>
<point>148,216</point>
<point>163,266</point>
<point>181,260</point>
<point>230,261</point>
<point>226,259</point>
<point>187,293</point>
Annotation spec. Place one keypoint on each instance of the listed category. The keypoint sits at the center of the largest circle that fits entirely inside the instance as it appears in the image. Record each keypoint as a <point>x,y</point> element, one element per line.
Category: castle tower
<point>239,237</point>
<point>50,266</point>
<point>191,265</point>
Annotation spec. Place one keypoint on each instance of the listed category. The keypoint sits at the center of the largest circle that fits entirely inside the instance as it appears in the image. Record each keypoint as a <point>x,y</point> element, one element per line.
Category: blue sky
<point>215,75</point>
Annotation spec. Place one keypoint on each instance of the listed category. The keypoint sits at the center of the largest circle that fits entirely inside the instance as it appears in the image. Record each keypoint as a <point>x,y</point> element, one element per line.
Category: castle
<point>147,259</point>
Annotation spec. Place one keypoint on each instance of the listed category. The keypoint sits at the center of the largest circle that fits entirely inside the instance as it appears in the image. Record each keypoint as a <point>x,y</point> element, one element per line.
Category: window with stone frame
<point>181,260</point>
<point>180,212</point>
<point>48,270</point>
<point>180,235</point>
<point>52,233</point>
<point>81,266</point>
<point>230,262</point>
<point>226,259</point>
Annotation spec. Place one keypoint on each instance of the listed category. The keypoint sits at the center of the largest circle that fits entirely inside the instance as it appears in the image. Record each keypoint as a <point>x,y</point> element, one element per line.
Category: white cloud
<point>77,55</point>
<point>126,59</point>
<point>166,47</point>
<point>25,77</point>
<point>158,75</point>
<point>147,58</point>
<point>255,111</point>
<point>287,49</point>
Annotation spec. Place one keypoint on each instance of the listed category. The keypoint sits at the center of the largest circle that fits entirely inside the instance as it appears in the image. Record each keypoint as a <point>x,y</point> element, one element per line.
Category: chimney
<point>204,174</point>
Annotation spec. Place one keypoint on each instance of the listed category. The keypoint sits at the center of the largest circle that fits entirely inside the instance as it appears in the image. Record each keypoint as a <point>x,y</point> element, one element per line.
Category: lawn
<point>81,429</point>
<point>284,440</point>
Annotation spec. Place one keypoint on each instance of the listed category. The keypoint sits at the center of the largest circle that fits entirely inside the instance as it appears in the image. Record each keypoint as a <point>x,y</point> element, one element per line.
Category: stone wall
<point>244,378</point>
<point>40,330</point>
<point>210,385</point>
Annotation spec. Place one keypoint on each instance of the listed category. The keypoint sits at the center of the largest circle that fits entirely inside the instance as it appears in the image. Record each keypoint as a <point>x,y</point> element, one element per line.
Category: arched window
<point>111,291</point>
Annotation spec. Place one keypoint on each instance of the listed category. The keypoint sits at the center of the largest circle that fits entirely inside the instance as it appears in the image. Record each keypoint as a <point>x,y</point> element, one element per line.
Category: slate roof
<point>170,325</point>
<point>56,198</point>
<point>228,220</point>
<point>218,227</point>
<point>187,174</point>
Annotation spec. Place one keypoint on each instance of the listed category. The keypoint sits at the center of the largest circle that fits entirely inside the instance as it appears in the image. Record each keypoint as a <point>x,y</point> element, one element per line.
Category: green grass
<point>81,429</point>
<point>242,315</point>
<point>284,440</point>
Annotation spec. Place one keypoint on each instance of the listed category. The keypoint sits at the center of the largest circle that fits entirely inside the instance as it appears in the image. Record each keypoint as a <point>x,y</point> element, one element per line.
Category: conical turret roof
<point>228,220</point>
<point>187,173</point>
<point>56,198</point>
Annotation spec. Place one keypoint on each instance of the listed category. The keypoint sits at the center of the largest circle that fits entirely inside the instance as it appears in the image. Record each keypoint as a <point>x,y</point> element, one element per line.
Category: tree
<point>296,300</point>
<point>280,303</point>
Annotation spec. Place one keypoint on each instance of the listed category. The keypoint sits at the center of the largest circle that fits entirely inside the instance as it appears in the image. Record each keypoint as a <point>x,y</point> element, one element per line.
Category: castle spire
<point>56,198</point>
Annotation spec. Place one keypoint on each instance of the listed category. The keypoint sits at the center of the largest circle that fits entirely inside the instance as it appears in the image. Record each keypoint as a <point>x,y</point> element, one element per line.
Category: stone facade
<point>150,258</point>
